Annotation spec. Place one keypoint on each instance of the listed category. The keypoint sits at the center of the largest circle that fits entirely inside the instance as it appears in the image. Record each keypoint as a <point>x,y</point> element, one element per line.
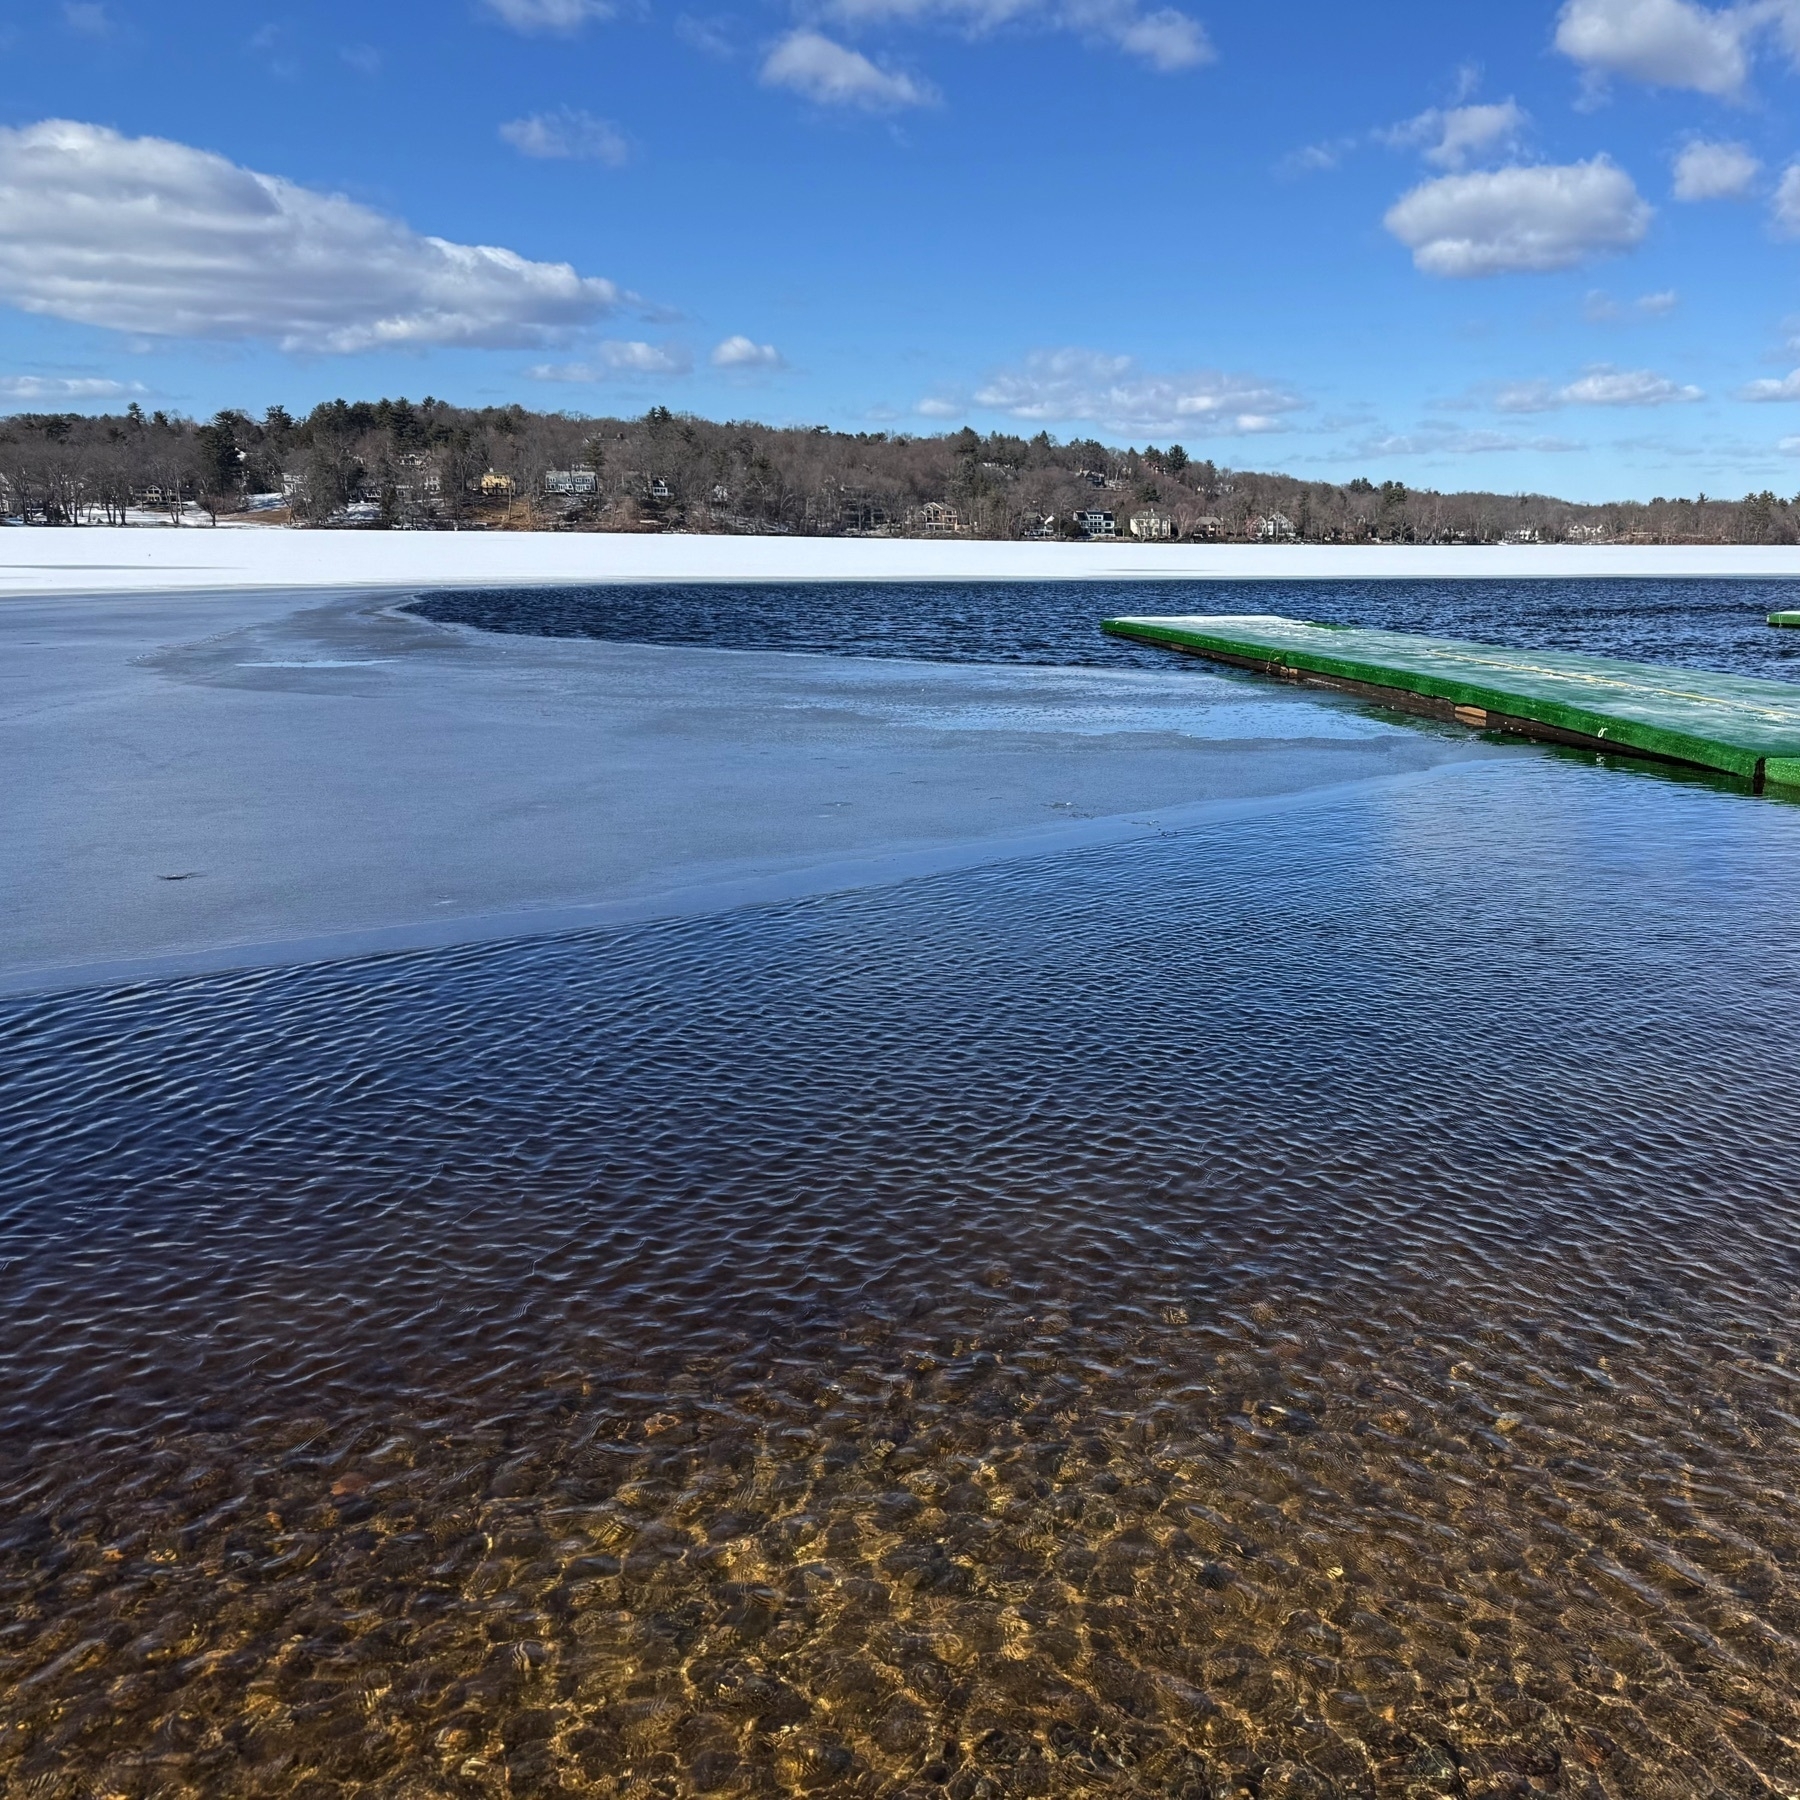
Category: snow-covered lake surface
<point>113,560</point>
<point>271,777</point>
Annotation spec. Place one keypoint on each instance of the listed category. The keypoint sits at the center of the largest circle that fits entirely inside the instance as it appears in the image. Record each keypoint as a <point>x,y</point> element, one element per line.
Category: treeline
<point>399,464</point>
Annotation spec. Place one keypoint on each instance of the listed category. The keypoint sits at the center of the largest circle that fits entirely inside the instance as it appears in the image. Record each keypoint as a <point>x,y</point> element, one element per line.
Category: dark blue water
<point>1699,624</point>
<point>1307,1307</point>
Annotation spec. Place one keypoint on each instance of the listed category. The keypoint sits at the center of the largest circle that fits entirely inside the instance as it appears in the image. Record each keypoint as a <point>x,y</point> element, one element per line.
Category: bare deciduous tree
<point>399,463</point>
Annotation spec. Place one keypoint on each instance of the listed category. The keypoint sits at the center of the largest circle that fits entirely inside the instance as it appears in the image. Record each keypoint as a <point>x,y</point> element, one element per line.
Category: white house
<point>577,480</point>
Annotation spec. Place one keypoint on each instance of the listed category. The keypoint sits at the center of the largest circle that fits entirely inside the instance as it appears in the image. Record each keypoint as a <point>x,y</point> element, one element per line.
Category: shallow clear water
<point>1303,1307</point>
<point>1700,624</point>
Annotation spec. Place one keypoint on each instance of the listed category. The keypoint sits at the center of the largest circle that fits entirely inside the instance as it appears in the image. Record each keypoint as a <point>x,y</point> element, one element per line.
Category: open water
<point>1703,624</point>
<point>1303,1307</point>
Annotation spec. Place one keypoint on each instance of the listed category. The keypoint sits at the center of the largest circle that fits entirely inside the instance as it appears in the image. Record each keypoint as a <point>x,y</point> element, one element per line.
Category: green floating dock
<point>1732,723</point>
<point>1784,618</point>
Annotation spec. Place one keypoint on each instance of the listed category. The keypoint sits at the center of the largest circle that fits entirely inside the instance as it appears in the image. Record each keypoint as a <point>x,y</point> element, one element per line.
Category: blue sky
<point>1538,246</point>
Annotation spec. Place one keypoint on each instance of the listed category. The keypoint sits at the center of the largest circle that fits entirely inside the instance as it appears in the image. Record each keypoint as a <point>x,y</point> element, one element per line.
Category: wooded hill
<point>404,465</point>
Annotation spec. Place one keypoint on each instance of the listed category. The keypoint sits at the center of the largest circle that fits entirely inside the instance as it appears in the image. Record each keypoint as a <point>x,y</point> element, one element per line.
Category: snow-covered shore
<point>93,560</point>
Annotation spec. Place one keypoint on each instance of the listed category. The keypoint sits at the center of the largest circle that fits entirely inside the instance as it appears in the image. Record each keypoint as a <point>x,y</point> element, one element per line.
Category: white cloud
<point>570,135</point>
<point>1785,209</point>
<point>1166,38</point>
<point>939,409</point>
<point>1090,387</point>
<point>812,65</point>
<point>1667,43</point>
<point>1455,136</point>
<point>1600,308</point>
<point>1714,171</point>
<point>709,36</point>
<point>1600,386</point>
<point>1786,388</point>
<point>1472,131</point>
<point>1783,16</point>
<point>1316,159</point>
<point>1627,387</point>
<point>65,387</point>
<point>739,352</point>
<point>1449,137</point>
<point>557,16</point>
<point>145,235</point>
<point>1447,440</point>
<point>617,357</point>
<point>1520,219</point>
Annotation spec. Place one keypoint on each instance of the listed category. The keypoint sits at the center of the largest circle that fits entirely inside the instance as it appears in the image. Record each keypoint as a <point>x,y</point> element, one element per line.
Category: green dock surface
<point>1732,723</point>
<point>1784,618</point>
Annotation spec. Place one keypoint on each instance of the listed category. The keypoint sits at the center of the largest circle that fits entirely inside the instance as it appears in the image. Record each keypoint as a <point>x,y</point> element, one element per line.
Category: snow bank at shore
<point>92,560</point>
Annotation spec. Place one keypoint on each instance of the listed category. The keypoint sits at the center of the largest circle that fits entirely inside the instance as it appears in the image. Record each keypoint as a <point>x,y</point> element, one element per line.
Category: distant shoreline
<point>121,560</point>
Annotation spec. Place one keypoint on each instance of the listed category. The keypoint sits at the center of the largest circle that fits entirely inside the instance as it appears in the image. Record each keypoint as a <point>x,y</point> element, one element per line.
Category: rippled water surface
<point>1305,1307</point>
<point>1701,624</point>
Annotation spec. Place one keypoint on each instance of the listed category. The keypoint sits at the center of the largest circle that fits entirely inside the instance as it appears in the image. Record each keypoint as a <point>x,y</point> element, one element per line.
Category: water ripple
<point>1306,1308</point>
<point>1694,624</point>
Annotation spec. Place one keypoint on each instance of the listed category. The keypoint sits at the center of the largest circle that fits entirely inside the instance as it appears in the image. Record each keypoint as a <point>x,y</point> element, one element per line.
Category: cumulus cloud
<point>1450,137</point>
<point>1165,37</point>
<point>617,357</point>
<point>1626,387</point>
<point>65,387</point>
<point>560,17</point>
<point>146,235</point>
<point>1520,219</point>
<point>1091,387</point>
<point>1783,16</point>
<point>832,74</point>
<point>1714,171</point>
<point>1787,387</point>
<point>567,134</point>
<point>1453,137</point>
<point>739,352</point>
<point>1600,386</point>
<point>1667,43</point>
<point>932,408</point>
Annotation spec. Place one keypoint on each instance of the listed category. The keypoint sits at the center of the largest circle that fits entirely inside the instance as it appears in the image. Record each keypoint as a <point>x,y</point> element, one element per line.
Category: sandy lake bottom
<point>1300,1305</point>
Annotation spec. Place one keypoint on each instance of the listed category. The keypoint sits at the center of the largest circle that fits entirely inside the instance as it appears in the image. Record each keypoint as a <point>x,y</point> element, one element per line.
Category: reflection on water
<point>1697,624</point>
<point>1303,1308</point>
